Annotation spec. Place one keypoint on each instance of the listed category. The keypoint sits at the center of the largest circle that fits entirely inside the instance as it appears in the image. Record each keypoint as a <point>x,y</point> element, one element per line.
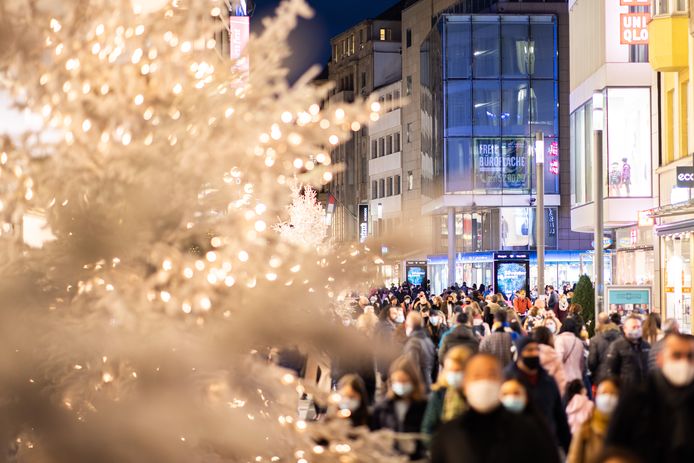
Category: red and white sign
<point>633,28</point>
<point>554,158</point>
<point>635,2</point>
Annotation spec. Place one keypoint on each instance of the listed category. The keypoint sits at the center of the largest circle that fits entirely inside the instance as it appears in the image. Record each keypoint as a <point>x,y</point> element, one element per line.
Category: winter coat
<point>434,415</point>
<point>628,361</point>
<point>521,305</point>
<point>578,410</point>
<point>423,354</point>
<point>551,362</point>
<point>499,345</point>
<point>570,350</point>
<point>589,441</point>
<point>655,421</point>
<point>461,335</point>
<point>597,353</point>
<point>475,438</point>
<point>545,397</point>
<point>384,416</point>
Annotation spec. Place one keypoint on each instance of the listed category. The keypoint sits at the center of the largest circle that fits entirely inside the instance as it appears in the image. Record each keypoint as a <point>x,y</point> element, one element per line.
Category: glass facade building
<point>489,84</point>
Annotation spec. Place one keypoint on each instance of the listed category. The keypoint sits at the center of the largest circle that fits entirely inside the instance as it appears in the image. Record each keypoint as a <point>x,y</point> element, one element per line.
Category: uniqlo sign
<point>633,28</point>
<point>635,2</point>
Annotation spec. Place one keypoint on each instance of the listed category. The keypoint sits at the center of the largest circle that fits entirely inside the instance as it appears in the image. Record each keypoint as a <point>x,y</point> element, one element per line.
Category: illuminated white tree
<point>141,332</point>
<point>307,225</point>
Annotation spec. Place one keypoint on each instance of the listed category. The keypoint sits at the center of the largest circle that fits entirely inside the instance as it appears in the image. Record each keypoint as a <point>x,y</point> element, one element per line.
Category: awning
<point>683,208</point>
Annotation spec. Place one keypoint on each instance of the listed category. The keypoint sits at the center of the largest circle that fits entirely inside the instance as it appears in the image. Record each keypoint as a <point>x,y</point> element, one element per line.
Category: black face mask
<point>532,363</point>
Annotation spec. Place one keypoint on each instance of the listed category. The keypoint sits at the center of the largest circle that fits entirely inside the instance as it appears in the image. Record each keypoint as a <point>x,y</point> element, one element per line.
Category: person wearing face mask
<point>656,420</point>
<point>549,359</point>
<point>514,397</point>
<point>588,442</point>
<point>542,389</point>
<point>353,400</point>
<point>606,333</point>
<point>627,357</point>
<point>446,401</point>
<point>420,349</point>
<point>500,341</point>
<point>403,409</point>
<point>570,350</point>
<point>460,335</point>
<point>436,326</point>
<point>488,432</point>
<point>390,331</point>
<point>551,322</point>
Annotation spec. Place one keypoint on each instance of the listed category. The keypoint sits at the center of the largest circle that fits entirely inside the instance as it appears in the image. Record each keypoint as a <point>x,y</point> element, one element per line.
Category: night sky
<point>311,39</point>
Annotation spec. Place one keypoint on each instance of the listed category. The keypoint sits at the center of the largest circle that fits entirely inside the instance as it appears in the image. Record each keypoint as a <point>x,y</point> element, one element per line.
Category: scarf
<point>453,405</point>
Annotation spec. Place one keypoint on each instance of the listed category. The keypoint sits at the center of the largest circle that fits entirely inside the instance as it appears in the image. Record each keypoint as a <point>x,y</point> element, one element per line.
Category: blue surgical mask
<point>454,379</point>
<point>514,403</point>
<point>402,389</point>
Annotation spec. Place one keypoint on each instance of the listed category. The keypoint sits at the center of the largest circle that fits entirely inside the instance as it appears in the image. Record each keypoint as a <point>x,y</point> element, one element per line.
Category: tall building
<point>609,65</point>
<point>670,55</point>
<point>364,57</point>
<point>492,76</point>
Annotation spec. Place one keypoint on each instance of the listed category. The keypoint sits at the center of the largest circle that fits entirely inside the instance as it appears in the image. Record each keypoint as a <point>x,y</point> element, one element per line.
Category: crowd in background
<point>476,377</point>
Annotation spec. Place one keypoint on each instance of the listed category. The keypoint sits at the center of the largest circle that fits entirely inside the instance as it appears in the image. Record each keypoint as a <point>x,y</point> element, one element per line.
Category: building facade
<point>489,84</point>
<point>609,63</point>
<point>365,57</point>
<point>671,58</point>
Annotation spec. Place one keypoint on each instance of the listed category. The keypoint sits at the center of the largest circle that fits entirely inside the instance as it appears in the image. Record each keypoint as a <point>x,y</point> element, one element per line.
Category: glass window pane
<point>485,43</point>
<point>515,227</point>
<point>486,108</point>
<point>515,166</point>
<point>488,162</point>
<point>458,108</point>
<point>515,47</point>
<point>458,50</point>
<point>542,51</point>
<point>543,107</point>
<point>458,165</point>
<point>515,107</point>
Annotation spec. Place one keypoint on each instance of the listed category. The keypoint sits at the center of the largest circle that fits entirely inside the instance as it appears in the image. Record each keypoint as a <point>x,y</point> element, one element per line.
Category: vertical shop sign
<point>363,222</point>
<point>633,28</point>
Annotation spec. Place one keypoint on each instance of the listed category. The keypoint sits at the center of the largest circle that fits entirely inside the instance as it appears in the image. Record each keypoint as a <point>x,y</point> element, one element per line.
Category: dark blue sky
<point>311,39</point>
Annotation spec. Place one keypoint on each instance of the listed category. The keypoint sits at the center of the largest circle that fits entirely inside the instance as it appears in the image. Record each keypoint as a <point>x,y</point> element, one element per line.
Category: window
<point>408,38</point>
<point>335,49</point>
<point>381,146</point>
<point>397,185</point>
<point>408,86</point>
<point>389,102</point>
<point>390,186</point>
<point>374,149</point>
<point>410,180</point>
<point>396,99</point>
<point>374,189</point>
<point>384,34</point>
<point>363,80</point>
<point>681,5</point>
<point>485,48</point>
<point>459,62</point>
<point>381,188</point>
<point>486,100</point>
<point>389,144</point>
<point>396,143</point>
<point>408,136</point>
<point>458,108</point>
<point>361,36</point>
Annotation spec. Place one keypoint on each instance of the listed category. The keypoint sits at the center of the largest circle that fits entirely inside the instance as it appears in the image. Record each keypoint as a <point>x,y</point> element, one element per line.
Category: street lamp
<point>599,260</point>
<point>540,210</point>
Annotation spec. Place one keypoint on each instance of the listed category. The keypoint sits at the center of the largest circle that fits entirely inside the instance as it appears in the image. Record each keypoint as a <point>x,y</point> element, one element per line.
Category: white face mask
<point>551,327</point>
<point>434,320</point>
<point>454,378</point>
<point>400,319</point>
<point>483,395</point>
<point>349,404</point>
<point>634,334</point>
<point>606,403</point>
<point>514,403</point>
<point>678,372</point>
<point>402,389</point>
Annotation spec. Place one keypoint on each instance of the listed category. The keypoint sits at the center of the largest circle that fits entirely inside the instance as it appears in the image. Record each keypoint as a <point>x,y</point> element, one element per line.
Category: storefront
<point>634,259</point>
<point>561,267</point>
<point>677,249</point>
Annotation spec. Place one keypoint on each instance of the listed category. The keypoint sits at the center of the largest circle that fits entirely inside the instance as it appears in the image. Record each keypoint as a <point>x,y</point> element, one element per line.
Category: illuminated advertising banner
<point>633,28</point>
<point>416,272</point>
<point>363,222</point>
<point>502,163</point>
<point>239,32</point>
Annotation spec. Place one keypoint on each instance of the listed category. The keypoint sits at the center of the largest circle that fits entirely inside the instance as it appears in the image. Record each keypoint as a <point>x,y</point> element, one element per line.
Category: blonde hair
<point>458,354</point>
<point>405,365</point>
<point>366,323</point>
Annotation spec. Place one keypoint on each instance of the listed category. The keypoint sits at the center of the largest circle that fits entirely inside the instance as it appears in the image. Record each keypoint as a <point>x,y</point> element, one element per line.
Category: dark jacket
<point>435,332</point>
<point>432,415</point>
<point>597,353</point>
<point>628,361</point>
<point>655,421</point>
<point>496,437</point>
<point>498,344</point>
<point>461,335</point>
<point>385,417</point>
<point>546,399</point>
<point>423,353</point>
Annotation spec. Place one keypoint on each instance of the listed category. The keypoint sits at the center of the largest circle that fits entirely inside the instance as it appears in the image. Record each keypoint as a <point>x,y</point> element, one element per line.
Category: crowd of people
<point>479,378</point>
